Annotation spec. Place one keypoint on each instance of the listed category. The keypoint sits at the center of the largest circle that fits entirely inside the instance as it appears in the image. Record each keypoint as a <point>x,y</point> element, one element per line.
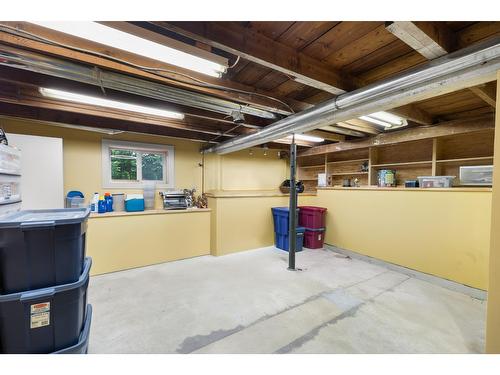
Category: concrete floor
<point>249,303</point>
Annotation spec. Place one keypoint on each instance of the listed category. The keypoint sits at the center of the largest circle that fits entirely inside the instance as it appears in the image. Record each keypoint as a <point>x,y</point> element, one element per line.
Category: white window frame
<point>168,164</point>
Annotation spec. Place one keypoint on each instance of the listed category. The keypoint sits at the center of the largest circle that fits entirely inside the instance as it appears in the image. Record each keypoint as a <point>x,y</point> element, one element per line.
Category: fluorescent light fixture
<point>307,138</point>
<point>376,121</point>
<point>100,102</point>
<point>300,138</point>
<point>389,117</point>
<point>109,36</point>
<point>385,119</point>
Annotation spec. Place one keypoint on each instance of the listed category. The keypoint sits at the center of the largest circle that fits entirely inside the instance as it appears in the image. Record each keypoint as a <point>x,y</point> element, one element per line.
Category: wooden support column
<point>434,156</point>
<point>493,312</point>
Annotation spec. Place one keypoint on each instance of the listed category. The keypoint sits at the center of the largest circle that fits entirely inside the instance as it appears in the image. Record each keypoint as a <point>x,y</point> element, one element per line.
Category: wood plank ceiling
<point>298,63</point>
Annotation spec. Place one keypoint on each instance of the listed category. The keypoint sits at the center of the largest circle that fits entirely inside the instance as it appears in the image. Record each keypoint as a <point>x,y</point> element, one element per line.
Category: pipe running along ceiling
<point>35,62</point>
<point>468,67</point>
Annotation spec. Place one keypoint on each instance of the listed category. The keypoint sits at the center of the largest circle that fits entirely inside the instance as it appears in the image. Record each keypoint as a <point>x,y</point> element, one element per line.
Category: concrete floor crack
<point>348,313</point>
<point>194,343</point>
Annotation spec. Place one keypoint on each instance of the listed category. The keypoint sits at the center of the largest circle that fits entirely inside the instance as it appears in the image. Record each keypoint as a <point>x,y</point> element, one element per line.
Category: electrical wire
<point>234,64</point>
<point>152,70</point>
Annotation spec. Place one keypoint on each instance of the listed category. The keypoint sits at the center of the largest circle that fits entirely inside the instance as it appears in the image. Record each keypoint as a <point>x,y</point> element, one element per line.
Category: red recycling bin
<point>314,239</point>
<point>312,217</point>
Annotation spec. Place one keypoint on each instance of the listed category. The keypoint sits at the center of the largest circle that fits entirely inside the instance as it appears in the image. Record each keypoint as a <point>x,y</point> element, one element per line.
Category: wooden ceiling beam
<point>413,113</point>
<point>171,79</point>
<point>430,39</point>
<point>28,98</point>
<point>44,116</point>
<point>410,134</point>
<point>487,93</point>
<point>360,125</point>
<point>306,66</point>
<point>256,47</point>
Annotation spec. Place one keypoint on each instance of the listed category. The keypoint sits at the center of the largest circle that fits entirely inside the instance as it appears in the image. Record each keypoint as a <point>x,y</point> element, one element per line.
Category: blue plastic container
<point>101,206</point>
<point>45,320</point>
<point>108,199</point>
<point>281,240</point>
<point>281,219</point>
<point>41,248</point>
<point>132,205</point>
<point>82,346</point>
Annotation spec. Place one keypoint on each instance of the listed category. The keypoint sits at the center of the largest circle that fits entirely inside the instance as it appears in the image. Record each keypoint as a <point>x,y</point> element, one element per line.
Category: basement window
<point>132,164</point>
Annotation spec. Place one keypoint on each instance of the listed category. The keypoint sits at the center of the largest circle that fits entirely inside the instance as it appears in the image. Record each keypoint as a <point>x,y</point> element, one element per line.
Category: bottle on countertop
<point>94,203</point>
<point>101,206</point>
<point>109,202</point>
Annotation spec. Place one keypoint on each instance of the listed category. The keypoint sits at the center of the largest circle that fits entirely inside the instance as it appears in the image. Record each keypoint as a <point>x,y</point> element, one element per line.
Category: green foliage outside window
<point>124,165</point>
<point>152,167</point>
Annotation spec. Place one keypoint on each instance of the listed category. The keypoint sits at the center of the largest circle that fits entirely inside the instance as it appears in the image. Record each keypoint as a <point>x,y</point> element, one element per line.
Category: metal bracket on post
<point>292,223</point>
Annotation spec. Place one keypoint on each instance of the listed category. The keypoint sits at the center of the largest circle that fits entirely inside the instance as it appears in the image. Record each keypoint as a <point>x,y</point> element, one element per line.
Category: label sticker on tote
<point>40,315</point>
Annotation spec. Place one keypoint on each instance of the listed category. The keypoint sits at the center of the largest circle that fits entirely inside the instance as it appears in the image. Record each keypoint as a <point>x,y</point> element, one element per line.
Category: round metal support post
<point>292,227</point>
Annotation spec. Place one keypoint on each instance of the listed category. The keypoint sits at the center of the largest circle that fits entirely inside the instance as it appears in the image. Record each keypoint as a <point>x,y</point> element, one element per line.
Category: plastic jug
<point>109,202</point>
<point>101,206</point>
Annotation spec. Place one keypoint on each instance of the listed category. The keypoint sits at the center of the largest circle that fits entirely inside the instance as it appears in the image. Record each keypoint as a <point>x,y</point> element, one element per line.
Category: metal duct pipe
<point>35,62</point>
<point>465,68</point>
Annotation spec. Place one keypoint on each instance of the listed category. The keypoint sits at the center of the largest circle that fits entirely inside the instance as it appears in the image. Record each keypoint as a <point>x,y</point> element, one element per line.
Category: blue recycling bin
<point>281,240</point>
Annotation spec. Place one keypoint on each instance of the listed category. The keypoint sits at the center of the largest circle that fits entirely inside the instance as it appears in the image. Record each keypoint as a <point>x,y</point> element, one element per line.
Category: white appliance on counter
<point>10,179</point>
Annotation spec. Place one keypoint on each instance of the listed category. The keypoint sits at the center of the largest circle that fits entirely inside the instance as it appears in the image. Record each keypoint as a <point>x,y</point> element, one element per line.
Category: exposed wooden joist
<point>329,136</point>
<point>361,125</point>
<point>296,104</point>
<point>253,46</point>
<point>28,97</point>
<point>23,78</point>
<point>413,113</point>
<point>486,92</point>
<point>430,39</point>
<point>79,119</point>
<point>171,79</point>
<point>412,134</point>
<point>342,131</point>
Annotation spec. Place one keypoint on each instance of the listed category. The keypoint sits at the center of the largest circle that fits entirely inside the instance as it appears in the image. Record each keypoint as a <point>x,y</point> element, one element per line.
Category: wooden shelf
<point>407,164</point>
<point>401,188</point>
<point>312,166</point>
<point>348,173</point>
<point>465,159</point>
<point>347,161</point>
<point>440,155</point>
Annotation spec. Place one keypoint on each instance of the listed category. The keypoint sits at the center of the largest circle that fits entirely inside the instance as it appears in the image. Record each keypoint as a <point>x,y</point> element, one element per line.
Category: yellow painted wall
<point>245,223</point>
<point>119,243</point>
<point>493,313</point>
<point>245,170</point>
<point>445,234</point>
<point>110,242</point>
<point>82,155</point>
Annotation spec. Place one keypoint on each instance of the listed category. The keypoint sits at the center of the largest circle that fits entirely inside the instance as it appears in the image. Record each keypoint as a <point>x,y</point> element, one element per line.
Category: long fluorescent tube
<point>100,102</point>
<point>307,138</point>
<point>376,122</point>
<point>109,36</point>
<point>300,137</point>
<point>388,117</point>
<point>385,119</point>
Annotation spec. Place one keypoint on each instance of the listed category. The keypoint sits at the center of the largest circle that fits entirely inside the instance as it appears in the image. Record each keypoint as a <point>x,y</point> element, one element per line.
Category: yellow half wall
<point>117,243</point>
<point>245,223</point>
<point>442,233</point>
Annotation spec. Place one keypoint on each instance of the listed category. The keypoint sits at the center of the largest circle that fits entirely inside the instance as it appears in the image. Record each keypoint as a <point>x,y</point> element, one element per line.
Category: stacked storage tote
<point>281,221</point>
<point>44,277</point>
<point>313,219</point>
